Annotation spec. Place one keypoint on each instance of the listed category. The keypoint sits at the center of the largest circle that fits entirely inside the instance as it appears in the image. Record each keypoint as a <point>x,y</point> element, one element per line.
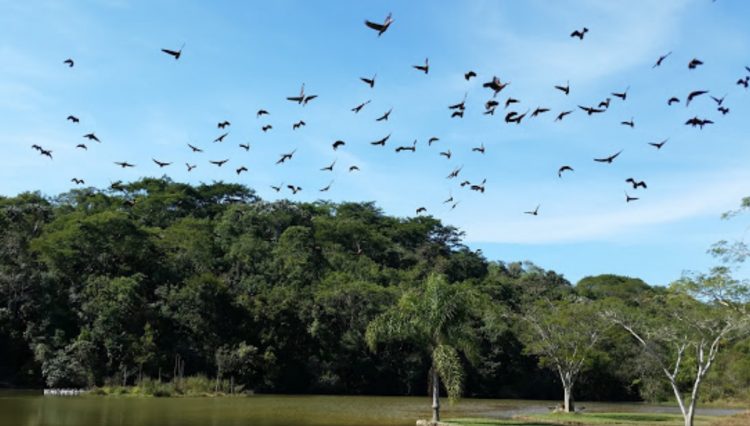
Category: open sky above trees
<point>243,56</point>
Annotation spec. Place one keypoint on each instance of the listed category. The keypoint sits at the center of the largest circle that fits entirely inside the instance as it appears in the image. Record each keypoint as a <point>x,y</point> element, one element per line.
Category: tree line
<point>156,278</point>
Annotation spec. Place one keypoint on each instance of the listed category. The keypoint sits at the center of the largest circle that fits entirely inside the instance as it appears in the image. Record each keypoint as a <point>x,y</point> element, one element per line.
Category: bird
<point>464,183</point>
<point>622,95</point>
<point>447,154</point>
<point>359,107</point>
<point>449,199</point>
<point>720,100</point>
<point>380,28</point>
<point>218,163</point>
<point>294,189</point>
<point>195,148</point>
<point>591,110</point>
<point>424,68</point>
<point>124,164</point>
<point>636,184</point>
<point>453,206</point>
<point>412,148</point>
<point>673,100</point>
<point>385,116</point>
<point>277,188</point>
<point>223,124</point>
<point>245,146</point>
<point>353,169</point>
<point>421,210</point>
<point>78,181</point>
<point>287,156</point>
<point>69,62</point>
<point>723,110</point>
<point>565,89</point>
<point>82,146</point>
<point>538,111</point>
<point>630,123</point>
<point>604,104</point>
<point>697,122</point>
<point>469,75</point>
<point>534,212</point>
<point>302,99</point>
<point>459,106</point>
<point>329,167</point>
<point>161,164</point>
<point>579,33</point>
<point>36,147</point>
<point>496,85</point>
<point>190,167</point>
<point>628,198</point>
<point>562,115</point>
<point>661,59</point>
<point>454,173</point>
<point>369,81</point>
<point>381,142</point>
<point>562,169</point>
<point>431,140</point>
<point>458,113</point>
<point>608,159</point>
<point>221,137</point>
<point>658,145</point>
<point>241,169</point>
<point>73,118</point>
<point>46,152</point>
<point>744,82</point>
<point>91,137</point>
<point>266,128</point>
<point>479,149</point>
<point>693,95</point>
<point>261,112</point>
<point>175,53</point>
<point>298,124</point>
<point>478,187</point>
<point>337,144</point>
<point>694,63</point>
<point>327,187</point>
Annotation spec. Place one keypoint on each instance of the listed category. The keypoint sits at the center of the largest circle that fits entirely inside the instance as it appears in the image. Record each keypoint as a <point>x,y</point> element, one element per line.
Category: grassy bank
<point>595,419</point>
<point>189,386</point>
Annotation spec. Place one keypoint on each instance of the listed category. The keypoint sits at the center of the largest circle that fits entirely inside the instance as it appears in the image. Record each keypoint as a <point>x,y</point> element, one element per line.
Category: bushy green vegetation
<point>211,281</point>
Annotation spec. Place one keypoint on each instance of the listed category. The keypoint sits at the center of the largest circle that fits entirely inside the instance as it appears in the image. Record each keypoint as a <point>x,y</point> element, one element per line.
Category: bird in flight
<point>266,128</point>
<point>695,94</point>
<point>277,188</point>
<point>245,146</point>
<point>385,116</point>
<point>447,154</point>
<point>745,82</point>
<point>628,198</point>
<point>221,137</point>
<point>538,111</point>
<point>190,167</point>
<point>658,145</point>
<point>563,169</point>
<point>91,137</point>
<point>294,189</point>
<point>369,81</point>
<point>327,187</point>
<point>454,173</point>
<point>469,75</point>
<point>328,168</point>
<point>261,112</point>
<point>622,95</point>
<point>412,148</point>
<point>661,59</point>
<point>630,123</point>
<point>353,169</point>
<point>534,212</point>
<point>302,99</point>
<point>73,118</point>
<point>124,164</point>
<point>160,163</point>
<point>337,144</point>
<point>496,85</point>
<point>424,68</point>
<point>175,53</point>
<point>69,62</point>
<point>565,89</point>
<point>223,124</point>
<point>380,28</point>
<point>359,107</point>
<point>381,142</point>
<point>218,163</point>
<point>562,115</point>
<point>579,33</point>
<point>432,140</point>
<point>608,159</point>
<point>604,104</point>
<point>478,187</point>
<point>694,63</point>
<point>195,148</point>
<point>287,156</point>
<point>673,100</point>
<point>82,146</point>
<point>479,149</point>
<point>241,169</point>
<point>636,184</point>
<point>591,110</point>
<point>723,110</point>
<point>697,122</point>
<point>298,124</point>
<point>78,181</point>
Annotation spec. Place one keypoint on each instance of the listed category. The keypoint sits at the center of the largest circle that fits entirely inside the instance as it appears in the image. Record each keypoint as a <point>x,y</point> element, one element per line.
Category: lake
<point>34,409</point>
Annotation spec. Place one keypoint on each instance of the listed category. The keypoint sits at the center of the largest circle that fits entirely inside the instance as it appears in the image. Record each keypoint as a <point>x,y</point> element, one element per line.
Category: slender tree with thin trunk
<point>438,317</point>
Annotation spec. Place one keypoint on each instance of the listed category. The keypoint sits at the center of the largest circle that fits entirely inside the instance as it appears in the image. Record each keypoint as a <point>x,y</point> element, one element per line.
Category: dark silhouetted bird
<point>223,124</point>
<point>697,122</point>
<point>421,210</point>
<point>353,169</point>
<point>302,99</point>
<point>73,118</point>
<point>160,163</point>
<point>658,145</point>
<point>469,75</point>
<point>495,85</point>
<point>359,107</point>
<point>693,64</point>
<point>328,168</point>
<point>175,53</point>
<point>745,82</point>
<point>266,128</point>
<point>327,187</point>
<point>295,189</point>
<point>287,156</point>
<point>385,116</point>
<point>298,124</point>
<point>221,137</point>
<point>661,59</point>
<point>562,115</point>
<point>69,62</point>
<point>278,188</point>
<point>195,148</point>
<point>534,212</point>
<point>723,110</point>
<point>693,95</point>
<point>190,167</point>
<point>636,184</point>
<point>380,28</point>
<point>565,89</point>
<point>381,142</point>
<point>261,112</point>
<point>245,146</point>
<point>538,111</point>
<point>91,137</point>
<point>591,110</point>
<point>608,159</point>
<point>241,169</point>
<point>563,169</point>
<point>579,33</point>
<point>78,181</point>
<point>630,123</point>
<point>628,198</point>
<point>479,149</point>
<point>479,187</point>
<point>458,113</point>
<point>447,154</point>
<point>412,148</point>
<point>622,95</point>
<point>219,163</point>
<point>124,164</point>
<point>454,173</point>
<point>720,100</point>
<point>337,144</point>
<point>673,100</point>
<point>432,140</point>
<point>82,146</point>
<point>604,104</point>
<point>369,81</point>
<point>424,68</point>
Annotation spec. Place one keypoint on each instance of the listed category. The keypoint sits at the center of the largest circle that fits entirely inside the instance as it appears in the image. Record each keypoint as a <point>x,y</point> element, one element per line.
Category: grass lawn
<point>593,419</point>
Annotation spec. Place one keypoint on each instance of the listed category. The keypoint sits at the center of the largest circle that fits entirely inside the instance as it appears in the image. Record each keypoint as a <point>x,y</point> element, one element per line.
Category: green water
<point>33,409</point>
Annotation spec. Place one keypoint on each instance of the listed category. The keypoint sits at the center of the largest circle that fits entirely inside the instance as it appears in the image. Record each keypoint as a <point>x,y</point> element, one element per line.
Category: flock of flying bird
<point>495,86</point>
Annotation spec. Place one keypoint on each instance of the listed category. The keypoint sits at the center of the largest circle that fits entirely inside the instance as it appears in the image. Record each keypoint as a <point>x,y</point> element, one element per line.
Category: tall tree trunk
<point>435,396</point>
<point>568,398</point>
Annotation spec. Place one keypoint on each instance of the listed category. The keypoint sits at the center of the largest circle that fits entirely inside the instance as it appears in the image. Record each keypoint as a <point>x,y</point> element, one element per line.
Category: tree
<point>439,319</point>
<point>699,314</point>
<point>563,334</point>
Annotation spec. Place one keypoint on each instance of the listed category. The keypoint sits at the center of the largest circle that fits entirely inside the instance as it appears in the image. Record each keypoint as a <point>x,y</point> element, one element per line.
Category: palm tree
<point>438,317</point>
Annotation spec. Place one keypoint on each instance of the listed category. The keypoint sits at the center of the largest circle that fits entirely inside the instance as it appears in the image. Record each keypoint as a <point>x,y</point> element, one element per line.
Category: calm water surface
<point>33,409</point>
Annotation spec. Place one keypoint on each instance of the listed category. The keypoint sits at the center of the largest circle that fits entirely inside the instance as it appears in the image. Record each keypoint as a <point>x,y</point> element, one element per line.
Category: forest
<point>159,279</point>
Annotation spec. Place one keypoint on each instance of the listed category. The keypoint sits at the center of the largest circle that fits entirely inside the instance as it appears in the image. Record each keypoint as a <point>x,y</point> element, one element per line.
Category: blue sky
<point>241,56</point>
